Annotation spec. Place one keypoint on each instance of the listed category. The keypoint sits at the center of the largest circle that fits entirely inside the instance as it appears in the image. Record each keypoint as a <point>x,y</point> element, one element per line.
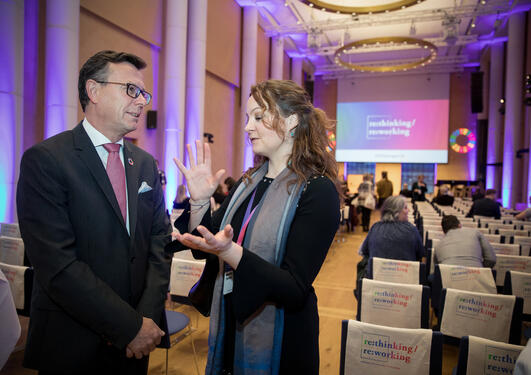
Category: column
<point>513,108</point>
<point>174,92</point>
<point>277,57</point>
<point>495,118</point>
<point>61,66</point>
<point>296,70</point>
<point>195,73</point>
<point>250,29</point>
<point>11,91</point>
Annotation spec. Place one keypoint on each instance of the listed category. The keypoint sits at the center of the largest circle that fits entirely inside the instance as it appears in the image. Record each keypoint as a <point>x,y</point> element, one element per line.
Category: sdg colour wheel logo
<point>462,140</point>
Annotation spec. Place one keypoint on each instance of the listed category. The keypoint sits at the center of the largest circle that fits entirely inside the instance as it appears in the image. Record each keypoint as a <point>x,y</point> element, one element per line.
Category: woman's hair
<point>181,194</point>
<point>391,208</point>
<point>367,177</point>
<point>309,156</point>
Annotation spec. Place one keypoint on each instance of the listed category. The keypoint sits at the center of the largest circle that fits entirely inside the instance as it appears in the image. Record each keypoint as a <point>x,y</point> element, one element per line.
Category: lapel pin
<point>130,161</point>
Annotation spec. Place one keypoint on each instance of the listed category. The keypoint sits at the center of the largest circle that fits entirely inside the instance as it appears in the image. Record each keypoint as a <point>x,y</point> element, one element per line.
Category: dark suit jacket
<point>485,207</point>
<point>93,281</point>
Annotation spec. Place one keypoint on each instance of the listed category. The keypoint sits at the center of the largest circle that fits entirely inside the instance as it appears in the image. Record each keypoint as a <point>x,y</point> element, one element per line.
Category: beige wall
<point>460,117</point>
<point>263,50</point>
<point>223,40</point>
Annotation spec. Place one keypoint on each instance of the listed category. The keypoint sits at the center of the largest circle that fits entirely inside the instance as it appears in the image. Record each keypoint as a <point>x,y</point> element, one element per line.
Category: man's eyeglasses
<point>132,90</point>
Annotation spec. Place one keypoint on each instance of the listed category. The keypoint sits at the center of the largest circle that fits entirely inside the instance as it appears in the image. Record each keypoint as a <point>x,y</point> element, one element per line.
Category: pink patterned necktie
<point>116,173</point>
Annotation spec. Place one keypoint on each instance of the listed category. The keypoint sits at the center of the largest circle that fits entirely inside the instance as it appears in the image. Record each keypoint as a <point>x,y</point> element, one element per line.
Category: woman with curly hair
<point>271,236</point>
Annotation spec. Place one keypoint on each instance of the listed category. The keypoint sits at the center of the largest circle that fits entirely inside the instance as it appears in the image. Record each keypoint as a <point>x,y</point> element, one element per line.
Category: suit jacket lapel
<point>87,152</point>
<point>132,174</point>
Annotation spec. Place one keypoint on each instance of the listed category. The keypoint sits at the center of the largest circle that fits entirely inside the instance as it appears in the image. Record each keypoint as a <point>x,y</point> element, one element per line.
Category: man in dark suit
<point>486,206</point>
<point>94,225</point>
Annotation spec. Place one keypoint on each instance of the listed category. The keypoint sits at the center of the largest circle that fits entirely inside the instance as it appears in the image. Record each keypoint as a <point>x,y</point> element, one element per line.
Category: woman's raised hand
<point>199,178</point>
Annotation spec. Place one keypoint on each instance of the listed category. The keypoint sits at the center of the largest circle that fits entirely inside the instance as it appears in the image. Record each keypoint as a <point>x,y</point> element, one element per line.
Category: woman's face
<point>402,216</point>
<point>266,142</point>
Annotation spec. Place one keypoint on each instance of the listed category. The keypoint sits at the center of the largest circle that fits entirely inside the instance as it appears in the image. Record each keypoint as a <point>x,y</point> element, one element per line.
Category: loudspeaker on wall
<point>476,92</point>
<point>151,120</point>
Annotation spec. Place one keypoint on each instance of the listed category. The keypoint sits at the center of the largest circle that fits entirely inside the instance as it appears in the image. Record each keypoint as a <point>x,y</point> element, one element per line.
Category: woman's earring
<point>292,134</point>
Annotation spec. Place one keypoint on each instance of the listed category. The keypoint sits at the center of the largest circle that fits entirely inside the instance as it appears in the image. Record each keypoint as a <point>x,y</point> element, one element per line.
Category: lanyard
<point>246,219</point>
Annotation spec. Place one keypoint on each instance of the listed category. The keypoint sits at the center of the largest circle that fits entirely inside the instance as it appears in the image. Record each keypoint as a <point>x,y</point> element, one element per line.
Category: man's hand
<point>145,340</point>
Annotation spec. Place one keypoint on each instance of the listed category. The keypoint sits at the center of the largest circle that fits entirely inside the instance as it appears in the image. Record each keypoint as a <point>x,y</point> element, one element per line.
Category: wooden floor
<point>334,286</point>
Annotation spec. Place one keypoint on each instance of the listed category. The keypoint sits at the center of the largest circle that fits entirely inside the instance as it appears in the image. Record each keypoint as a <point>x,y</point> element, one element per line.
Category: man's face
<point>120,112</point>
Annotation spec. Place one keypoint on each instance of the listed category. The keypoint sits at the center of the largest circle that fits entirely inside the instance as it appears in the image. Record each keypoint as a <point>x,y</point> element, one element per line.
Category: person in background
<point>463,246</point>
<point>419,189</point>
<point>9,323</point>
<point>384,189</point>
<point>405,192</point>
<point>365,201</point>
<point>393,237</point>
<point>229,183</point>
<point>92,216</point>
<point>486,206</point>
<point>443,198</point>
<point>181,199</point>
<point>270,236</point>
<point>525,214</point>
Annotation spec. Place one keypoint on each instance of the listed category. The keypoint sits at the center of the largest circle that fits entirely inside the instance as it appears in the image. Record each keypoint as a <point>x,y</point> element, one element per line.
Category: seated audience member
<point>181,199</point>
<point>405,191</point>
<point>419,189</point>
<point>478,194</point>
<point>442,198</point>
<point>393,237</point>
<point>525,214</point>
<point>486,206</point>
<point>463,246</point>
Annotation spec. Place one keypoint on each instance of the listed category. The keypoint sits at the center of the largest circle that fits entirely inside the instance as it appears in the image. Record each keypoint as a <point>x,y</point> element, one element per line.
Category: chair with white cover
<point>506,248</point>
<point>478,356</point>
<point>512,232</point>
<point>493,238</point>
<point>396,271</point>
<point>525,243</point>
<point>519,284</point>
<point>506,263</point>
<point>474,279</point>
<point>491,316</point>
<point>185,272</point>
<point>392,304</point>
<point>380,350</point>
<point>12,251</point>
<point>10,230</point>
<point>21,282</point>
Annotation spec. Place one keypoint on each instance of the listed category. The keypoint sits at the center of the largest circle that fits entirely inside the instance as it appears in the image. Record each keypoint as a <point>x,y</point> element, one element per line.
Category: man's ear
<point>93,90</point>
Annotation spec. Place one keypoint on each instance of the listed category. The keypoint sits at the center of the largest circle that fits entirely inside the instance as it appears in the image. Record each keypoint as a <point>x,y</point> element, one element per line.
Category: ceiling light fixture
<point>341,9</point>
<point>419,43</point>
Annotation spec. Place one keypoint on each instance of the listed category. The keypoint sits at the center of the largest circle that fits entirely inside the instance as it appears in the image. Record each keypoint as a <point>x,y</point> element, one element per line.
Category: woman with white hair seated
<point>393,237</point>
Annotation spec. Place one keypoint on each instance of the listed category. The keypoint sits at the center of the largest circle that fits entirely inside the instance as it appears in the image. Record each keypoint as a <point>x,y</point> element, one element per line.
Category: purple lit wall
<point>11,84</point>
<point>61,66</point>
<point>513,106</point>
<point>495,123</point>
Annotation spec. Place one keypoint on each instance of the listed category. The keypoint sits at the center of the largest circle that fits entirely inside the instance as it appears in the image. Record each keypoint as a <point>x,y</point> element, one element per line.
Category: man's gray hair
<point>391,207</point>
